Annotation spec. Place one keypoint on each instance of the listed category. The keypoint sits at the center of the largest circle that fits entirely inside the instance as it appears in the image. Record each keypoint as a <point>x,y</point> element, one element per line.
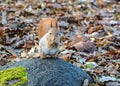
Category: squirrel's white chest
<point>50,51</point>
<point>44,47</point>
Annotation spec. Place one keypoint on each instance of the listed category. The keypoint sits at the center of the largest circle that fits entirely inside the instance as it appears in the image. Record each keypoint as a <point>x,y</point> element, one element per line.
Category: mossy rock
<point>16,76</point>
<point>50,72</point>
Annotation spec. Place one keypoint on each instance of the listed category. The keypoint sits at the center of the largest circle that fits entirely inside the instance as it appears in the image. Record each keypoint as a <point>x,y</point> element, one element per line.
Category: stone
<point>51,72</point>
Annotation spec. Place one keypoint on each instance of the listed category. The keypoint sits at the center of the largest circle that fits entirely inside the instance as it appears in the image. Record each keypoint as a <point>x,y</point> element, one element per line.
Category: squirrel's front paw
<point>56,56</point>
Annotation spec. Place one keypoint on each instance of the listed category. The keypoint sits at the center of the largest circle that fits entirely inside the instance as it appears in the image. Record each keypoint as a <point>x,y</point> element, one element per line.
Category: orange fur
<point>45,25</point>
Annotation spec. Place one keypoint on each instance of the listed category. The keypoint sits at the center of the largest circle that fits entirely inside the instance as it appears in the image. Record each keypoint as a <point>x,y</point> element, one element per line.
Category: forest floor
<point>90,34</point>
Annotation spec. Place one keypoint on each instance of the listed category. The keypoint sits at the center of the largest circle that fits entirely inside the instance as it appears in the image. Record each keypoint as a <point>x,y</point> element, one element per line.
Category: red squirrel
<point>48,32</point>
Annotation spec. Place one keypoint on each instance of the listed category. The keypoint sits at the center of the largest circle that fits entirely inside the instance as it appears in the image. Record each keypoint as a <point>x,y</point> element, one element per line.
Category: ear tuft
<point>51,24</point>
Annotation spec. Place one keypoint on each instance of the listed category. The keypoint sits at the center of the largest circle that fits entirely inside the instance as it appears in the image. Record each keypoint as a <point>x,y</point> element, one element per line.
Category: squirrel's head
<point>54,35</point>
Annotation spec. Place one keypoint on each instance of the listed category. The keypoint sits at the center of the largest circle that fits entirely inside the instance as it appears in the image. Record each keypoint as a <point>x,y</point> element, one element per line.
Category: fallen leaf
<point>67,52</point>
<point>85,46</point>
<point>112,84</point>
<point>2,62</point>
<point>99,70</point>
<point>33,52</point>
<point>28,44</point>
<point>23,54</point>
<point>2,32</point>
<point>66,57</point>
<point>107,78</point>
<point>100,2</point>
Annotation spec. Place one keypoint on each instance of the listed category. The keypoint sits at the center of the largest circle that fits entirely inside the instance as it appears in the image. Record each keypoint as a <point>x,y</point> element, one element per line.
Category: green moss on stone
<point>13,77</point>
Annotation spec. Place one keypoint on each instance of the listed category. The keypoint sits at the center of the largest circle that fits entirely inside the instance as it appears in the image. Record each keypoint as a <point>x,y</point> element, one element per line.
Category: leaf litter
<point>90,34</point>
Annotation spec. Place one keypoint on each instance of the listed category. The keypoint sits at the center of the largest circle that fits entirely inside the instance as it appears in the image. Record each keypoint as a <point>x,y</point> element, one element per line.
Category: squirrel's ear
<point>51,24</point>
<point>56,24</point>
<point>56,21</point>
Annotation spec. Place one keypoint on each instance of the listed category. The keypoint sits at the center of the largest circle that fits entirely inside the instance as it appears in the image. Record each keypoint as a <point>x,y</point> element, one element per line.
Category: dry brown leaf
<point>99,70</point>
<point>28,44</point>
<point>2,31</point>
<point>90,30</point>
<point>92,58</point>
<point>102,42</point>
<point>84,46</point>
<point>100,2</point>
<point>23,54</point>
<point>114,52</point>
<point>10,57</point>
<point>66,57</point>
<point>78,42</point>
<point>96,28</point>
<point>2,62</point>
